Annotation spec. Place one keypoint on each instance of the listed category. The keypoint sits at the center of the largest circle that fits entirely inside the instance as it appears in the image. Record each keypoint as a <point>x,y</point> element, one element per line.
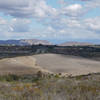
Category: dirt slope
<point>67,64</point>
<point>18,65</point>
<point>49,62</point>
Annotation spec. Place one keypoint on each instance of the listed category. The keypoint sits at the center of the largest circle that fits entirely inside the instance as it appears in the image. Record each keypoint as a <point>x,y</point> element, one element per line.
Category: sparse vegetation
<point>51,87</point>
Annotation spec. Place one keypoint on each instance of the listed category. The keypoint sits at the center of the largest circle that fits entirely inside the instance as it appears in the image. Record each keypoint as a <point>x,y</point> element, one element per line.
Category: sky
<point>54,20</point>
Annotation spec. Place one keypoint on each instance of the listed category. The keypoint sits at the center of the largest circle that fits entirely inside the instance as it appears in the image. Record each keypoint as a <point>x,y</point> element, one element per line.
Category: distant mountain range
<point>43,42</point>
<point>24,42</point>
<point>75,44</point>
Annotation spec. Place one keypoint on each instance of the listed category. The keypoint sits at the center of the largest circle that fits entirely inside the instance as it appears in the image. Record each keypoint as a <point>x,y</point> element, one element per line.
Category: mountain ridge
<point>43,42</point>
<point>25,42</point>
<point>72,43</point>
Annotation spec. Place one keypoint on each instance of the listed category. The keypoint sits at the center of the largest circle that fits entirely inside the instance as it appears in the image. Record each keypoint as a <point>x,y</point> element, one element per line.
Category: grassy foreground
<point>50,87</point>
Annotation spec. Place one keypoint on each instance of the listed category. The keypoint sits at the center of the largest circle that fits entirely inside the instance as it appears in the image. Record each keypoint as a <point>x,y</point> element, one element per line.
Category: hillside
<point>55,63</point>
<point>19,65</point>
<point>58,63</point>
<point>75,44</point>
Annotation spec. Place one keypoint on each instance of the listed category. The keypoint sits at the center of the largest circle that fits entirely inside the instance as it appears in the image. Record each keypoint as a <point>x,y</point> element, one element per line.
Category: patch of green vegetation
<point>17,78</point>
<point>9,78</point>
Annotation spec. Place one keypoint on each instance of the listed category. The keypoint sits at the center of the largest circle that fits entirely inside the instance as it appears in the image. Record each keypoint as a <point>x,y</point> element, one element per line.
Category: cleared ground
<point>52,62</point>
<point>18,65</point>
<point>67,64</point>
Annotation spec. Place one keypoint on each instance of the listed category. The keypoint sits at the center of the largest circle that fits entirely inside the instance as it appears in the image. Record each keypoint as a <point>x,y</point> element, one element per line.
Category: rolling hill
<point>75,44</point>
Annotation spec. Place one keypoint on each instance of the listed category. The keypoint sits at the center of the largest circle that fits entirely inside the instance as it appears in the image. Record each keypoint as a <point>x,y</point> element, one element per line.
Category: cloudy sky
<point>53,20</point>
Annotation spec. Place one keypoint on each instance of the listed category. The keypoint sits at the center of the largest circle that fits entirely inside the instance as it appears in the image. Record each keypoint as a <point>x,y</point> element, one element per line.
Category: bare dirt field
<point>49,62</point>
<point>18,65</point>
<point>67,64</point>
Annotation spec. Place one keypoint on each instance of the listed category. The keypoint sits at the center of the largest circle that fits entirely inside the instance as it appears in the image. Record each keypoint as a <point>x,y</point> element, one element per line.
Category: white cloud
<point>2,21</point>
<point>73,23</point>
<point>26,8</point>
<point>93,24</point>
<point>93,4</point>
<point>72,10</point>
<point>74,7</point>
<point>64,22</point>
<point>20,25</point>
<point>13,26</point>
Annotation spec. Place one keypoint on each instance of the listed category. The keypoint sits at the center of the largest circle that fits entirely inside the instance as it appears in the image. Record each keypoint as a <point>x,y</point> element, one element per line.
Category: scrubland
<point>50,87</point>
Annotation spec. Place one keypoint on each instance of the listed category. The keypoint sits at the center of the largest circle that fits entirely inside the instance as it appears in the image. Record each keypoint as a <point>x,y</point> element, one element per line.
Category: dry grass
<point>51,87</point>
